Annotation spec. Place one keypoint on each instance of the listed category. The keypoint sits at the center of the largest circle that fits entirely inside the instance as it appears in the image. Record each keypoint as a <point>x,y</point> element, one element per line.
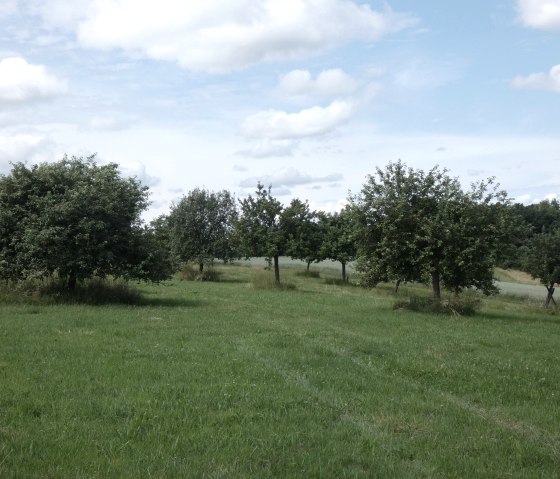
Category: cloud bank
<point>314,121</point>
<point>332,83</point>
<point>289,177</point>
<point>540,81</point>
<point>21,82</point>
<point>220,36</point>
<point>540,14</point>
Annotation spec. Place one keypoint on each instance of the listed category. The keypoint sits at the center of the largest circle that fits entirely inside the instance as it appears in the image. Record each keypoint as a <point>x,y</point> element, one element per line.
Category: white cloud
<point>269,148</point>
<point>221,35</point>
<point>26,147</point>
<point>7,8</point>
<point>540,81</point>
<point>334,82</point>
<point>106,123</point>
<point>541,14</point>
<point>21,82</point>
<point>138,170</point>
<point>60,14</point>
<point>276,124</point>
<point>289,177</point>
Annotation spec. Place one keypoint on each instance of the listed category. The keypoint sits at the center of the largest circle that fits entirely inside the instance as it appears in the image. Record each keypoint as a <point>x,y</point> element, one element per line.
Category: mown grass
<point>225,380</point>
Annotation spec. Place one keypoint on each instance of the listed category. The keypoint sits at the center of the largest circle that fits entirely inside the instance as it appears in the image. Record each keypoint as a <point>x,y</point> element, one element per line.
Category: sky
<point>309,96</point>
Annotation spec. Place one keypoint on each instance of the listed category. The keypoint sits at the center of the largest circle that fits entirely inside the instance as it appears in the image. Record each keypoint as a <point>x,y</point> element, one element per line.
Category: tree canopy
<point>417,226</point>
<point>302,230</point>
<point>201,227</point>
<point>74,219</point>
<point>339,242</point>
<point>260,227</point>
<point>543,261</point>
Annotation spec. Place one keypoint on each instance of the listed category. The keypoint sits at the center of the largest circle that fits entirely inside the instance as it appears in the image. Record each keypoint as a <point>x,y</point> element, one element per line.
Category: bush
<point>265,280</point>
<point>308,274</point>
<point>92,291</point>
<point>190,272</point>
<point>465,305</point>
<point>338,282</point>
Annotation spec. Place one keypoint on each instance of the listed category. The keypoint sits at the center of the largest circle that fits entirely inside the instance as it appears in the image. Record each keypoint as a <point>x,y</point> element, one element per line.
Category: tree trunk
<point>72,281</point>
<point>343,270</point>
<point>276,269</point>
<point>549,298</point>
<point>436,287</point>
<point>397,284</point>
<point>200,267</point>
<point>308,265</point>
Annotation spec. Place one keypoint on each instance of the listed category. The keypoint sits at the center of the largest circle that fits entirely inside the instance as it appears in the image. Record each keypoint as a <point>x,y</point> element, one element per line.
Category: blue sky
<point>307,95</point>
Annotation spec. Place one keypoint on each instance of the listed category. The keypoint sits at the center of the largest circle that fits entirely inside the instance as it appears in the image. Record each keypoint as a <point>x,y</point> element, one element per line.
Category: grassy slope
<point>221,380</point>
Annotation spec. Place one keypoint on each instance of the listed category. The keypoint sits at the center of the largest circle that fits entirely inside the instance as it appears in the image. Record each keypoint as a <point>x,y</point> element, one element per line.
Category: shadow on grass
<point>534,315</point>
<point>169,302</point>
<point>339,282</point>
<point>94,292</point>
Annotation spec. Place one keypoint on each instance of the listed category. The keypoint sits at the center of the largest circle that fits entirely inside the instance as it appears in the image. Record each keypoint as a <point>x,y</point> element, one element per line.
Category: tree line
<point>75,219</point>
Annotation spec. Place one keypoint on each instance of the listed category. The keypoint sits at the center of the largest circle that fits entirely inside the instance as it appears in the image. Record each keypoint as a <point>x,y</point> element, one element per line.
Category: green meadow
<point>320,379</point>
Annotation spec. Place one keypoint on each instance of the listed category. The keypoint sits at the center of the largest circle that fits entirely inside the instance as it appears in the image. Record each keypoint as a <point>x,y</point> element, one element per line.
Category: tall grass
<point>264,279</point>
<point>93,291</point>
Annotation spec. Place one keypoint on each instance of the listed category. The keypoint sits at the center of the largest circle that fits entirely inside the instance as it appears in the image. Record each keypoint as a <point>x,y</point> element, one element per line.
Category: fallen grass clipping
<point>218,379</point>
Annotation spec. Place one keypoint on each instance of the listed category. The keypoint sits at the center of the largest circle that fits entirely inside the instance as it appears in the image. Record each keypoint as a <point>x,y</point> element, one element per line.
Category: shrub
<point>338,282</point>
<point>190,272</point>
<point>308,274</point>
<point>265,280</point>
<point>55,290</point>
<point>465,305</point>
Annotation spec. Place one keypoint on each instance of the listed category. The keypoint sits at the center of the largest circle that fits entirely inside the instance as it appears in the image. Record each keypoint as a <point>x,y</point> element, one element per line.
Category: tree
<point>542,217</point>
<point>543,261</point>
<point>338,238</point>
<point>417,226</point>
<point>302,230</point>
<point>74,219</point>
<point>260,228</point>
<point>201,227</point>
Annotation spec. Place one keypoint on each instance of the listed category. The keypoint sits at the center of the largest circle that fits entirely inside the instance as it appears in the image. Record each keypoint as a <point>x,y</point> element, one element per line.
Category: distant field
<point>224,380</point>
<point>326,266</point>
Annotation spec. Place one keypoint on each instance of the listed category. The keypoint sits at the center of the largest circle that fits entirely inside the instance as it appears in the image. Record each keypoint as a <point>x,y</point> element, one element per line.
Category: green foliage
<point>526,221</point>
<point>201,227</point>
<point>417,226</point>
<point>259,228</point>
<point>543,259</point>
<point>302,230</point>
<point>543,217</point>
<point>259,225</point>
<point>76,220</point>
<point>338,238</point>
<point>268,229</point>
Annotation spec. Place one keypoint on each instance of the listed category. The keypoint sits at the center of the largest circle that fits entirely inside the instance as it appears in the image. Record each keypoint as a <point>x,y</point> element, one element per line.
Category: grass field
<point>224,380</point>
